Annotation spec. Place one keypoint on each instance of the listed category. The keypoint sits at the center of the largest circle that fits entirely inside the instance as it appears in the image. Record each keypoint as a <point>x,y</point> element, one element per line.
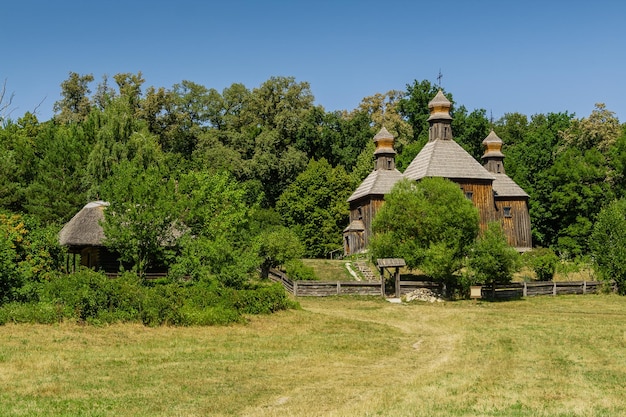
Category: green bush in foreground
<point>543,261</point>
<point>90,297</point>
<point>608,244</point>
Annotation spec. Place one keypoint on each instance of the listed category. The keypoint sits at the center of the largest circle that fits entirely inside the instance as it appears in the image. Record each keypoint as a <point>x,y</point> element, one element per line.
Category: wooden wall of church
<point>481,194</point>
<point>513,213</point>
<point>365,209</point>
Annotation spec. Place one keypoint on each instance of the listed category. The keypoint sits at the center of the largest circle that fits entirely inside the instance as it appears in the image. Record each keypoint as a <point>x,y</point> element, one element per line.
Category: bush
<point>543,261</point>
<point>35,312</point>
<point>491,259</point>
<point>298,271</point>
<point>263,300</point>
<point>608,244</point>
<point>91,297</point>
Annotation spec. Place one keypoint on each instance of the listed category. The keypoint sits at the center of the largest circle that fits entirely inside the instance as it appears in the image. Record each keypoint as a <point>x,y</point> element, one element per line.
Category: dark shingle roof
<point>503,186</point>
<point>447,159</point>
<point>355,226</point>
<point>377,182</point>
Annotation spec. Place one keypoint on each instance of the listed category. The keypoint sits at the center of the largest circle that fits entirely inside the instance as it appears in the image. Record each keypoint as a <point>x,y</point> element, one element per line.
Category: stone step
<point>365,271</point>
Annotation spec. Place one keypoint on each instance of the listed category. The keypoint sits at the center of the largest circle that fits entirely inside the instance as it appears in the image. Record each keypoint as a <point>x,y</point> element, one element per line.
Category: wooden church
<point>497,197</point>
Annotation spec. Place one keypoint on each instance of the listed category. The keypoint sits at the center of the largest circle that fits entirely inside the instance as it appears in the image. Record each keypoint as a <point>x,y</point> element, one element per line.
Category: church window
<point>469,195</point>
<point>507,212</point>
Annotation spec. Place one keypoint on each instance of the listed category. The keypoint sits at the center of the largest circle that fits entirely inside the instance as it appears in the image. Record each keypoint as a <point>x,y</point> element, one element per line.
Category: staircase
<point>365,271</point>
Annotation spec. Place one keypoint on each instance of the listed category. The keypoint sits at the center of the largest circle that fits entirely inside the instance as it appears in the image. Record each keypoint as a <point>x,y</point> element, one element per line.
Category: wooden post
<point>295,288</point>
<point>525,293</point>
<point>584,287</point>
<point>382,282</point>
<point>338,287</point>
<point>554,289</point>
<point>397,276</point>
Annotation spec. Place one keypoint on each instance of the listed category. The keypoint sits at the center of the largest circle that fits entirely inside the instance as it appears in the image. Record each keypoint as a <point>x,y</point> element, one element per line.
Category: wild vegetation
<point>215,173</point>
<point>542,356</point>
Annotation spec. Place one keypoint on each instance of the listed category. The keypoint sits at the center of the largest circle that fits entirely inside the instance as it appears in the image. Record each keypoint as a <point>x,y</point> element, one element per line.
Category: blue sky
<point>503,56</point>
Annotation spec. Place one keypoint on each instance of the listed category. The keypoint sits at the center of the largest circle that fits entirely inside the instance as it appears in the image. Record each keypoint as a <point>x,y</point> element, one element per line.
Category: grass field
<point>563,356</point>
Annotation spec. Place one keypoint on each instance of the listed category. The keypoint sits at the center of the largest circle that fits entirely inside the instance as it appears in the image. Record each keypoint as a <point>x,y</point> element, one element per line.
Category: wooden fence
<point>531,289</point>
<point>327,288</point>
<point>497,292</point>
<point>410,286</point>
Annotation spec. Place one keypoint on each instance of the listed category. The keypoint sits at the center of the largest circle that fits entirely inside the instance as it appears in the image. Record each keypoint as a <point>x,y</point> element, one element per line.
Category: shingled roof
<point>377,182</point>
<point>84,228</point>
<point>447,159</point>
<point>503,186</point>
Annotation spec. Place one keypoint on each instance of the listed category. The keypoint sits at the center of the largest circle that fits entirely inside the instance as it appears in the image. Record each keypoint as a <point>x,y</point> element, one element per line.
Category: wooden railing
<point>326,288</point>
<point>493,292</point>
<point>531,289</point>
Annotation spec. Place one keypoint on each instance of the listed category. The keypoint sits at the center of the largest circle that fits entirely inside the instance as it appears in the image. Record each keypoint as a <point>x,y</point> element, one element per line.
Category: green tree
<point>18,163</point>
<point>608,244</point>
<point>315,207</point>
<point>217,213</point>
<point>429,223</point>
<point>29,253</point>
<point>531,148</point>
<point>57,188</point>
<point>414,107</point>
<point>491,259</point>
<point>142,223</point>
<point>75,104</point>
<point>470,130</point>
<point>276,247</point>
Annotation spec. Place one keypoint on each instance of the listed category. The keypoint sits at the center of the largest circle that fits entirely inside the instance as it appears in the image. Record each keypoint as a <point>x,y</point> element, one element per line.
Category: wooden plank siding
<point>369,206</point>
<point>516,224</point>
<point>482,198</point>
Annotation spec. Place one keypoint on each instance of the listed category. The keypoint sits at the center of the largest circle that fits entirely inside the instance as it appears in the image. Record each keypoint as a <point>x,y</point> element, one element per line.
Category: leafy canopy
<point>608,244</point>
<point>429,223</point>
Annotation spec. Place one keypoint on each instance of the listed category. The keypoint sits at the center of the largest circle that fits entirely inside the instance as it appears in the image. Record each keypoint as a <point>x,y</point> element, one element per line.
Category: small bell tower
<point>385,154</point>
<point>440,120</point>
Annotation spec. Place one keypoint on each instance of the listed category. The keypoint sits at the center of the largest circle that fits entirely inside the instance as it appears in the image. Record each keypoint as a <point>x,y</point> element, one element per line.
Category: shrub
<point>297,270</point>
<point>543,261</point>
<point>263,300</point>
<point>608,244</point>
<point>34,312</point>
<point>491,259</point>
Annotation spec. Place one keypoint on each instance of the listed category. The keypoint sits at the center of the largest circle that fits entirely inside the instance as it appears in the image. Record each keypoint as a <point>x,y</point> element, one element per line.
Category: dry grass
<point>545,356</point>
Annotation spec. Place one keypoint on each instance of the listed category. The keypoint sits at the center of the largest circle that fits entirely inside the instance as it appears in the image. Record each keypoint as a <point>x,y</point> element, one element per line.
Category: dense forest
<point>243,168</point>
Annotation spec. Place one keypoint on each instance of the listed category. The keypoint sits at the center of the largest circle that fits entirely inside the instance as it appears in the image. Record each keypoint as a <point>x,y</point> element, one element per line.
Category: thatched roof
<point>84,228</point>
<point>380,182</point>
<point>447,159</point>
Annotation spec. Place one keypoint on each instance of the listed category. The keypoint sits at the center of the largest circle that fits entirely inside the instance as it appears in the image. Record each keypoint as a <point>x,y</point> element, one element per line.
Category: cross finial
<point>439,77</point>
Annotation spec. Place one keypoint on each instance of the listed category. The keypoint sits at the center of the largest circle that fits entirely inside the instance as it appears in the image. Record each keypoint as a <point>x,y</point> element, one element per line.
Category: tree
<point>217,214</point>
<point>57,188</point>
<point>315,207</point>
<point>414,106</point>
<point>491,259</point>
<point>75,104</point>
<point>142,223</point>
<point>429,223</point>
<point>470,130</point>
<point>28,253</point>
<point>531,148</point>
<point>382,110</point>
<point>608,244</point>
<point>277,247</point>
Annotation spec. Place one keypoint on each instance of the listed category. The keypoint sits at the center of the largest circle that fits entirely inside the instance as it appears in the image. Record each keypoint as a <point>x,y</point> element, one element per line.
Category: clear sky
<point>503,56</point>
